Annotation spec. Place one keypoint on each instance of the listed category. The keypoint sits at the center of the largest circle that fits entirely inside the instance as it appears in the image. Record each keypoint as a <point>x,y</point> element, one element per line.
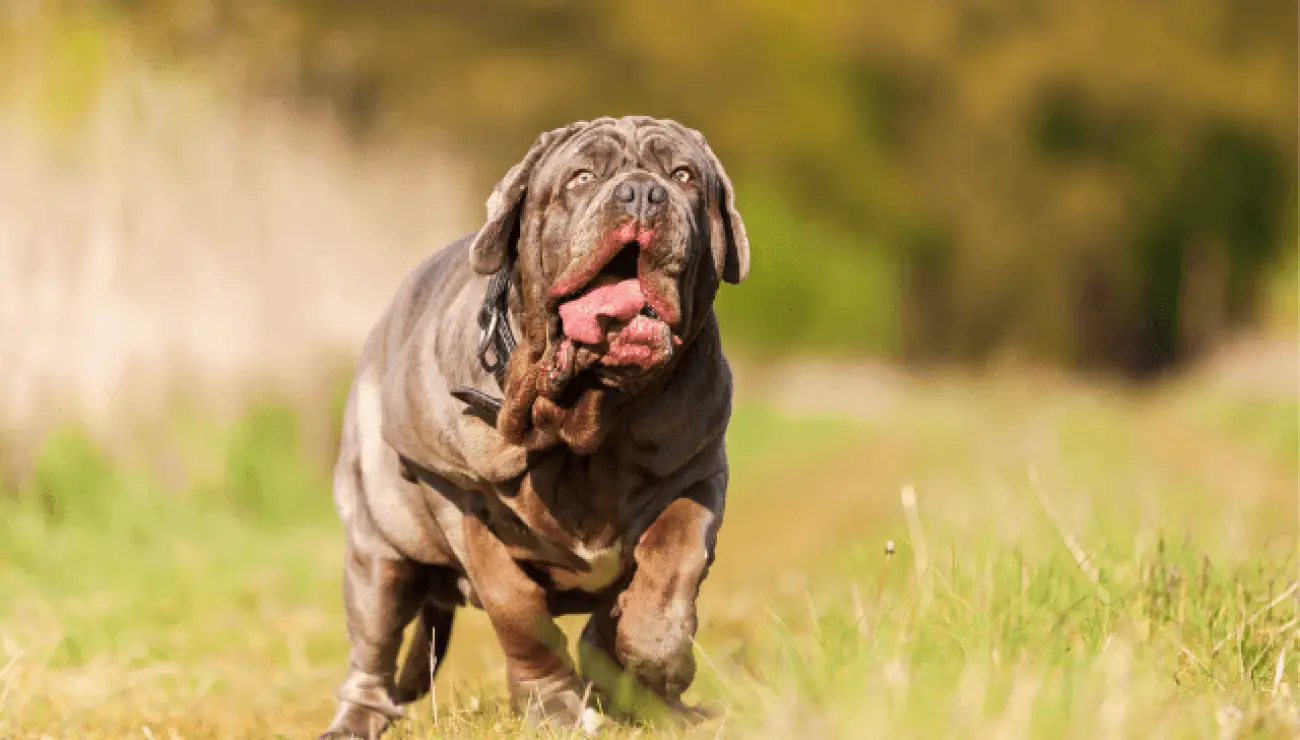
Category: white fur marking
<point>605,564</point>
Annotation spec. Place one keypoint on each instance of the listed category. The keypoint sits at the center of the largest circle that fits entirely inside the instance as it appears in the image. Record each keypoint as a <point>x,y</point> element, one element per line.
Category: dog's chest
<point>584,505</point>
<point>604,564</point>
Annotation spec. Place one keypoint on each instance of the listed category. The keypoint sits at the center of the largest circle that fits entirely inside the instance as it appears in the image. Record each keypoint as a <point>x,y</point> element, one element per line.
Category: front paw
<point>355,722</point>
<point>366,708</point>
<point>560,704</point>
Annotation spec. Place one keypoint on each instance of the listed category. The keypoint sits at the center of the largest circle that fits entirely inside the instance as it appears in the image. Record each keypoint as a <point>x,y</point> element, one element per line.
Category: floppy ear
<point>727,229</point>
<point>505,205</point>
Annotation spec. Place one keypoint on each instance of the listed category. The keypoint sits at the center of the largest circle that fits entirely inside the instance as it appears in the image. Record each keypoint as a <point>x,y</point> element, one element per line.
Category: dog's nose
<point>626,193</point>
<point>640,195</point>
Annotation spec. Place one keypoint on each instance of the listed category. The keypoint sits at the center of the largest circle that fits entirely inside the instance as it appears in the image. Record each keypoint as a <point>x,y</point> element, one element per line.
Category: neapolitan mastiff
<point>596,482</point>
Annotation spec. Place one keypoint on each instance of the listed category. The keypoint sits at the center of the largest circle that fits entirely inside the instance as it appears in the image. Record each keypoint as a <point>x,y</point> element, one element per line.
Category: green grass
<point>204,602</point>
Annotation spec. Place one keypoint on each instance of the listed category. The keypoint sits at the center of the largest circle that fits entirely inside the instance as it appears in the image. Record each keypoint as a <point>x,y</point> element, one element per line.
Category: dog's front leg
<point>656,621</point>
<point>382,593</point>
<point>543,683</point>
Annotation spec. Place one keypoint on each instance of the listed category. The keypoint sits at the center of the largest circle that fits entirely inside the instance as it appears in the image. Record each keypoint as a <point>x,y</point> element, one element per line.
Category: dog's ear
<point>726,228</point>
<point>506,203</point>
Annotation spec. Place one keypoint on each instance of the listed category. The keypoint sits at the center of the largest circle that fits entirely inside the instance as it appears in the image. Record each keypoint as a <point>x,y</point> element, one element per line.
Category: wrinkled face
<point>617,245</point>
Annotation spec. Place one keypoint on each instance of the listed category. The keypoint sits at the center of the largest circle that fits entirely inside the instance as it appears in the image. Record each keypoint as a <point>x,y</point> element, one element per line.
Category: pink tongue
<point>621,301</point>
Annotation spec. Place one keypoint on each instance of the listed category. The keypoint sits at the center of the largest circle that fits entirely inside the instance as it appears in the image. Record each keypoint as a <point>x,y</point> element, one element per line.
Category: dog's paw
<point>590,721</point>
<point>559,705</point>
<point>355,722</point>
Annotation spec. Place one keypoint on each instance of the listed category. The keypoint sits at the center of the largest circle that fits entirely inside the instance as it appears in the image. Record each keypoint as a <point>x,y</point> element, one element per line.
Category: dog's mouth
<point>609,325</point>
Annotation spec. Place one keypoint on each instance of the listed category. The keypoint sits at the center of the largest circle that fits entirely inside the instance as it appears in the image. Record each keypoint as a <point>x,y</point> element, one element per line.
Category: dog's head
<point>621,230</point>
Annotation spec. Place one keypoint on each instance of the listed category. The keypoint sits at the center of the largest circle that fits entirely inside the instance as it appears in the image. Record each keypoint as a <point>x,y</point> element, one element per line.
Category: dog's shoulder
<point>422,348</point>
<point>426,288</point>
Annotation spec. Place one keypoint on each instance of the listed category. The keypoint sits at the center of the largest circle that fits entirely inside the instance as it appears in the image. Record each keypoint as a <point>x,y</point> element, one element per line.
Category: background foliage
<point>1104,184</point>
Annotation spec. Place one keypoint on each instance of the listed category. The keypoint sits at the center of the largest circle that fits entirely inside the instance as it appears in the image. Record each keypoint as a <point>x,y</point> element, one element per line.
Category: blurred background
<point>233,188</point>
<point>205,205</point>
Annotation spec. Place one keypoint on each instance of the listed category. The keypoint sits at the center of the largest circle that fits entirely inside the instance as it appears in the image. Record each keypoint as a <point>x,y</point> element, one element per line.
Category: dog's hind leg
<point>428,648</point>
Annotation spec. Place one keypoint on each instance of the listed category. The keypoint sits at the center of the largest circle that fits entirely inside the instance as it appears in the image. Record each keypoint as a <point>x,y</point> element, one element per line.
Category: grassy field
<point>1072,561</point>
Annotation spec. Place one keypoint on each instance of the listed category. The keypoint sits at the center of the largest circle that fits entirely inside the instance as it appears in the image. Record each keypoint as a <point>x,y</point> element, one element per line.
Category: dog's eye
<point>582,177</point>
<point>683,174</point>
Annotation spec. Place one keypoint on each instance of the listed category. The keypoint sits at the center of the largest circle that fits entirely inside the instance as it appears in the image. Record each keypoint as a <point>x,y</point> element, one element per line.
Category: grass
<point>203,602</point>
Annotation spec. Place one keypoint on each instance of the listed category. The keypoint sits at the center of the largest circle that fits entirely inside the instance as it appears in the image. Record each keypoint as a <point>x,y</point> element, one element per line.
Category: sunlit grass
<point>1078,562</point>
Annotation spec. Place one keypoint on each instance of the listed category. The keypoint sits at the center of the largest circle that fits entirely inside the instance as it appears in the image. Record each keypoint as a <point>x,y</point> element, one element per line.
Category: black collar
<point>495,338</point>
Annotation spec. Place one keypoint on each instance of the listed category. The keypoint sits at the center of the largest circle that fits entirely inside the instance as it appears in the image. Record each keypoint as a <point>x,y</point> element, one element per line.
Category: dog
<point>536,428</point>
